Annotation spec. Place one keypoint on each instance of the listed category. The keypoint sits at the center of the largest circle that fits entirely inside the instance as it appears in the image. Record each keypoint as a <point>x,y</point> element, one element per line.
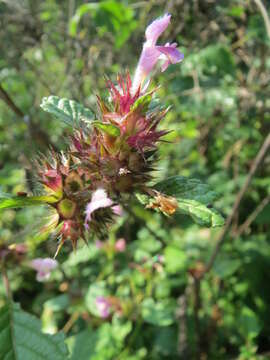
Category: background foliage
<point>220,117</point>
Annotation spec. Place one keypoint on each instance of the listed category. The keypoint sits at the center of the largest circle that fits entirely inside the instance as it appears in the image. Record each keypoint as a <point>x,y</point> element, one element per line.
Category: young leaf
<point>22,201</point>
<point>69,111</point>
<point>143,102</point>
<point>21,337</point>
<point>109,129</point>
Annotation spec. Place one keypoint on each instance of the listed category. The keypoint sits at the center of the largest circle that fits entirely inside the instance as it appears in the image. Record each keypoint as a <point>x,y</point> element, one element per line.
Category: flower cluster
<point>87,183</point>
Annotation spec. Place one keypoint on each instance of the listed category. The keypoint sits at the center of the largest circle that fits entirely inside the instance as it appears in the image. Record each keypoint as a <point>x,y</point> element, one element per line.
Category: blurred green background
<point>219,118</point>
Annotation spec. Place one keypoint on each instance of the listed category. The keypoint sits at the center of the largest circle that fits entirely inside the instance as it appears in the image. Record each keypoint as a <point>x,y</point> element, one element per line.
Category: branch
<point>243,228</point>
<point>258,160</point>
<point>263,11</point>
<point>181,315</point>
<point>9,102</point>
<point>6,281</point>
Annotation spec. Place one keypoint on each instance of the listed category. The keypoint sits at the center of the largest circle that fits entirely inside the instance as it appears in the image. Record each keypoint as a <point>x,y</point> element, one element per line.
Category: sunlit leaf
<point>21,337</point>
<point>23,201</point>
<point>143,102</point>
<point>194,198</point>
<point>109,129</point>
<point>68,111</point>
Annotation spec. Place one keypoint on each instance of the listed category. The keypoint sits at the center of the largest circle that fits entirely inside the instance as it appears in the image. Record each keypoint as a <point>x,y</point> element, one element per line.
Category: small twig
<point>243,228</point>
<point>6,282</point>
<point>71,321</point>
<point>197,307</point>
<point>9,102</point>
<point>181,314</point>
<point>258,160</point>
<point>265,16</point>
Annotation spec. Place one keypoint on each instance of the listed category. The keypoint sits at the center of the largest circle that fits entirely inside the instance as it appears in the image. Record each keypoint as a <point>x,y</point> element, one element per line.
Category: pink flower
<point>145,138</point>
<point>43,268</point>
<point>118,210</point>
<point>99,200</point>
<point>99,244</point>
<point>161,259</point>
<point>103,306</point>
<point>152,53</point>
<point>120,245</point>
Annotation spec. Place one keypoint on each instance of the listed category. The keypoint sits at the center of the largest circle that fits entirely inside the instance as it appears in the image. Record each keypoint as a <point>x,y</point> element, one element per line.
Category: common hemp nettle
<point>116,156</point>
<point>111,156</point>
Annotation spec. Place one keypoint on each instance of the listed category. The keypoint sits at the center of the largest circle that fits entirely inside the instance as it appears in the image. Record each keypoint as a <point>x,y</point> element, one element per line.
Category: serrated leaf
<point>21,201</point>
<point>21,337</point>
<point>109,129</point>
<point>185,188</point>
<point>194,198</point>
<point>69,111</point>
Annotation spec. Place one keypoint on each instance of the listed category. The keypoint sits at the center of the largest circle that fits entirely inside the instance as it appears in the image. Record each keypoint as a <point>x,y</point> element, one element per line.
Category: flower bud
<point>73,182</point>
<point>66,208</point>
<point>52,181</point>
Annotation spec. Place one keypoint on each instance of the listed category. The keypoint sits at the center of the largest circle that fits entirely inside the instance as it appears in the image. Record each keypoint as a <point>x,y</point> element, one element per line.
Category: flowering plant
<point>111,156</point>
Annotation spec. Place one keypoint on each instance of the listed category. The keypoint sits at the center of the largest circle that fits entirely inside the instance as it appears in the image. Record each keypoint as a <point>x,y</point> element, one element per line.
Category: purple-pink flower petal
<point>103,306</point>
<point>151,53</point>
<point>156,28</point>
<point>118,210</point>
<point>149,58</point>
<point>99,200</point>
<point>43,267</point>
<point>171,54</point>
<point>120,245</point>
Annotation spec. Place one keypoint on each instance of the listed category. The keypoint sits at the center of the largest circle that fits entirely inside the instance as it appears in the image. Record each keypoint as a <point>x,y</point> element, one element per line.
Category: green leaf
<point>21,337</point>
<point>121,327</point>
<point>81,10</point>
<point>194,199</point>
<point>21,201</point>
<point>175,259</point>
<point>69,111</point>
<point>95,290</point>
<point>225,267</point>
<point>109,129</point>
<point>107,16</point>
<point>159,313</point>
<point>82,345</point>
<point>143,102</point>
<point>185,188</point>
<point>102,343</point>
<point>58,303</point>
<point>248,323</point>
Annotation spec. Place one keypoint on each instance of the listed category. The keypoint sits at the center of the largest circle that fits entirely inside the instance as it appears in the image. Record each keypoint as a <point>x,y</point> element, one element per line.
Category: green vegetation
<point>182,286</point>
